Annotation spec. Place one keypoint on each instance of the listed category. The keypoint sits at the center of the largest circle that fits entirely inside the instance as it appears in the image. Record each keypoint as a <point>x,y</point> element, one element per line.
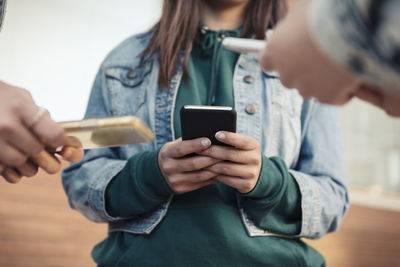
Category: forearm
<point>361,36</point>
<point>138,189</point>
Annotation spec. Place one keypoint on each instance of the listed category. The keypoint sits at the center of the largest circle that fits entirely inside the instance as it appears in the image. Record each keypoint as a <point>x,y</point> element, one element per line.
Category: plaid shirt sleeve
<point>363,36</point>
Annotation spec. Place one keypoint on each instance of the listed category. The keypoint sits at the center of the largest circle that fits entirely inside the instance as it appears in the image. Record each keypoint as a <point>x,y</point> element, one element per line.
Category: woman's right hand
<point>185,174</point>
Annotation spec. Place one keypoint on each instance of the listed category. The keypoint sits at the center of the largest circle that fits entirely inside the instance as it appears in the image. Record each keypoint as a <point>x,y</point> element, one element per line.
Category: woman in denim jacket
<point>242,206</point>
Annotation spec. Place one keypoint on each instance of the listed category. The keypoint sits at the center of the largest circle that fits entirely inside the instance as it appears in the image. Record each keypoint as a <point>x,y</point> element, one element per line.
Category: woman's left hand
<point>241,163</point>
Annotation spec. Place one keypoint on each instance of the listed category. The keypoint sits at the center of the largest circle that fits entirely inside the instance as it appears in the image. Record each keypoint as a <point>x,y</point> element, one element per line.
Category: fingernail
<point>67,154</point>
<point>205,142</point>
<point>220,135</point>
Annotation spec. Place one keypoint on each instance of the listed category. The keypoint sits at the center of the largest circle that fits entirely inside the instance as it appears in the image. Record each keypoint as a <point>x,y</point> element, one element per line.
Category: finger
<point>71,154</point>
<point>193,163</point>
<point>50,132</point>
<point>179,148</point>
<point>10,156</point>
<point>199,176</point>
<point>232,154</point>
<point>47,162</point>
<point>74,142</point>
<point>40,122</point>
<point>242,185</point>
<point>232,169</point>
<point>28,169</point>
<point>240,141</point>
<point>22,139</point>
<point>11,175</point>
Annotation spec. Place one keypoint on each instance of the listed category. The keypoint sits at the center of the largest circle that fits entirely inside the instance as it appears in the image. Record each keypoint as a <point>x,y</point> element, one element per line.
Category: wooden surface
<point>37,228</point>
<point>367,237</point>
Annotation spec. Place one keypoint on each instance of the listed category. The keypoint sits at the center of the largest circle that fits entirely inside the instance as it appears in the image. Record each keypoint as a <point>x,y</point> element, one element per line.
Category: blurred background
<point>53,48</point>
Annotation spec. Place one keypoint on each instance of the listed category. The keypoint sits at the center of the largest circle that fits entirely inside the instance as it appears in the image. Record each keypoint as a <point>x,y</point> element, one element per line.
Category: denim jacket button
<point>251,109</point>
<point>131,74</point>
<point>248,79</point>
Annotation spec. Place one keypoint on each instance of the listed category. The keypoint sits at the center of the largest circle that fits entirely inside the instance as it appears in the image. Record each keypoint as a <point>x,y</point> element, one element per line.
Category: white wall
<point>53,48</point>
<point>372,148</point>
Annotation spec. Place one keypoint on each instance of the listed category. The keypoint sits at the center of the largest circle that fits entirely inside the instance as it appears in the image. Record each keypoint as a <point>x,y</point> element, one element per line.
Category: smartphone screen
<point>206,121</point>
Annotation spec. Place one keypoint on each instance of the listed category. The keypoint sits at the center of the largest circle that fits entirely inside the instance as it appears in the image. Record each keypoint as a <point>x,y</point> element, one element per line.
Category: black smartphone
<point>206,121</point>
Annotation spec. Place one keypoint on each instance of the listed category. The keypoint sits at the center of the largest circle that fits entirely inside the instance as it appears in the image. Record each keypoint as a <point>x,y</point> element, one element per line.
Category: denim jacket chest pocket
<point>125,88</point>
<point>285,112</point>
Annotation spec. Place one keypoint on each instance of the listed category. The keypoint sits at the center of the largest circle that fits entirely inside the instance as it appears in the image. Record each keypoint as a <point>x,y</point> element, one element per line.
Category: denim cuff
<point>97,191</point>
<point>310,204</point>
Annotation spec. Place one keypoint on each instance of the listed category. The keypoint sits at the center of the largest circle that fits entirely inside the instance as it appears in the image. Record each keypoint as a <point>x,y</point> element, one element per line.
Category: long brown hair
<point>177,28</point>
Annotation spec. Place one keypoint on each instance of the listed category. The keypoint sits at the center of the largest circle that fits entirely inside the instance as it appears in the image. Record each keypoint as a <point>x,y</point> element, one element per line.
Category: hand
<point>291,51</point>
<point>24,127</point>
<point>384,100</point>
<point>240,165</point>
<point>45,160</point>
<point>185,174</point>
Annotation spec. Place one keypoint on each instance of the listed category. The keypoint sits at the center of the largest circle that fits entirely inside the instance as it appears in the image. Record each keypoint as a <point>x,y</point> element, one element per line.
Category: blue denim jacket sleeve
<point>85,182</point>
<point>362,36</point>
<point>320,171</point>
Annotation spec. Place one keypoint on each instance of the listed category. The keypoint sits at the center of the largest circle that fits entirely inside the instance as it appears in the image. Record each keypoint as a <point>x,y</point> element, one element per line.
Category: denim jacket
<point>305,134</point>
